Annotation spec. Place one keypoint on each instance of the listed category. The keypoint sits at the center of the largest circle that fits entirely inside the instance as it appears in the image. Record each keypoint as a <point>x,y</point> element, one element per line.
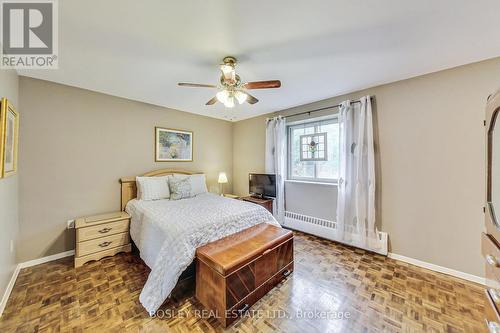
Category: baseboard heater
<point>328,229</point>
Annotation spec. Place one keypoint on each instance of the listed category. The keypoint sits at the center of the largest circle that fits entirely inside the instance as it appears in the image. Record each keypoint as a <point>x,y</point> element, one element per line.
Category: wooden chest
<point>236,271</point>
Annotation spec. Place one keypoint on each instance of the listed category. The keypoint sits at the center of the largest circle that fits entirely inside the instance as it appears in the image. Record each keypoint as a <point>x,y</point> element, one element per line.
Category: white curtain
<point>356,188</point>
<point>276,161</point>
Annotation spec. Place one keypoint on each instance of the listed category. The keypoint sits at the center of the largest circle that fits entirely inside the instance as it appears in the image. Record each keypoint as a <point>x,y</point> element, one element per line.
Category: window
<point>313,151</point>
<point>313,147</point>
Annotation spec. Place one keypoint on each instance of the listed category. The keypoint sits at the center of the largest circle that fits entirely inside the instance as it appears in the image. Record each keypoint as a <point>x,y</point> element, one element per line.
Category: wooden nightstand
<point>100,236</point>
<point>266,203</point>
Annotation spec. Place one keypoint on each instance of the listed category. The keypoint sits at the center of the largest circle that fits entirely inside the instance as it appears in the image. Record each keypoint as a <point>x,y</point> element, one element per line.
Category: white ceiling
<point>318,49</point>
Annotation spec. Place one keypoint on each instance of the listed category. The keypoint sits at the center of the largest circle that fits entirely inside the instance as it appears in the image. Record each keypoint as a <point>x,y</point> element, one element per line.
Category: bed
<point>167,232</point>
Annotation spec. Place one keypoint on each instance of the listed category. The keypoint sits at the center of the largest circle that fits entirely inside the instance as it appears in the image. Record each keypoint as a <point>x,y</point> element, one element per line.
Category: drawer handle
<point>491,260</point>
<point>495,295</point>
<point>493,326</point>
<point>287,272</point>
<point>244,308</point>
<point>105,230</point>
<point>104,244</point>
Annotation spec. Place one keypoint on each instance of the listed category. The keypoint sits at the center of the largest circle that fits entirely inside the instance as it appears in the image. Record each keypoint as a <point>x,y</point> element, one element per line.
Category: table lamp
<point>222,181</point>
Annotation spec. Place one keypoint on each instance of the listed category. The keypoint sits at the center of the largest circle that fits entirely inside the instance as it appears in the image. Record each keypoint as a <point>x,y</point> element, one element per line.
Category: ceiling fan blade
<point>196,85</point>
<point>262,84</point>
<point>251,99</point>
<point>212,101</point>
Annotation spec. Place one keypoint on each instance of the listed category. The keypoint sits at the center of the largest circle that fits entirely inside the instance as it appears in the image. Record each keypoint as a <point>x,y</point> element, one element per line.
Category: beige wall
<point>249,144</point>
<point>8,194</point>
<point>430,154</point>
<point>76,144</point>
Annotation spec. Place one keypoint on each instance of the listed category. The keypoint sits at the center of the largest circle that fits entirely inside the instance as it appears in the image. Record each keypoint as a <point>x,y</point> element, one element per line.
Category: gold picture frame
<point>9,138</point>
<point>173,145</point>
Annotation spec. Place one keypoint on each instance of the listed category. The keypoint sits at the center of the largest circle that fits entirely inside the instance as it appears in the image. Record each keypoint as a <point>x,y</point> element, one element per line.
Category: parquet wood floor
<point>372,292</point>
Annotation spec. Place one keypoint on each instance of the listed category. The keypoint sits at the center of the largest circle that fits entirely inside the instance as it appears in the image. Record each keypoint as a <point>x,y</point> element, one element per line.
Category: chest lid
<point>228,254</point>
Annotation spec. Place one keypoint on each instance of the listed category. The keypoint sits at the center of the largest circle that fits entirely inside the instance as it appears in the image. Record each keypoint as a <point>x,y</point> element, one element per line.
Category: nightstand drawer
<point>101,244</point>
<point>97,231</point>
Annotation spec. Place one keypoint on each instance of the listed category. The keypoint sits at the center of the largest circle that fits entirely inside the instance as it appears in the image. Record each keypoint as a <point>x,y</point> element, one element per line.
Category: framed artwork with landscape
<point>173,145</point>
<point>9,128</point>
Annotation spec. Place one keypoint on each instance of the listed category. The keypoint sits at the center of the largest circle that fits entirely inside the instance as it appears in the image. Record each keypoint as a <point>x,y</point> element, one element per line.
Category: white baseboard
<point>26,264</point>
<point>437,268</point>
<point>43,260</point>
<point>9,288</point>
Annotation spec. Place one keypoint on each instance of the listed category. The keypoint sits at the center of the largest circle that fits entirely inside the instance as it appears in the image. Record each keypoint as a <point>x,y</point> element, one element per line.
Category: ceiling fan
<point>231,89</point>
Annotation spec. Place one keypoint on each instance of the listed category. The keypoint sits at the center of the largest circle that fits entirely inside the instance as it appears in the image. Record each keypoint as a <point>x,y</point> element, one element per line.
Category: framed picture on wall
<point>173,145</point>
<point>9,128</point>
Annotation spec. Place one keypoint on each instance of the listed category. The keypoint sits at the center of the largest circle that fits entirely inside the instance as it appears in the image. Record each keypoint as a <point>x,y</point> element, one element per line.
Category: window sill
<point>310,182</point>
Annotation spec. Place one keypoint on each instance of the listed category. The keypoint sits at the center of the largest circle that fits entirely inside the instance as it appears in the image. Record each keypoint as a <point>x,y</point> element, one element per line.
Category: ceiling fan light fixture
<point>232,90</point>
<point>240,96</point>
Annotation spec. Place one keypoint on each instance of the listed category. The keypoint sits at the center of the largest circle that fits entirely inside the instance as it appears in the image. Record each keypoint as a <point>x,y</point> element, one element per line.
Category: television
<point>262,185</point>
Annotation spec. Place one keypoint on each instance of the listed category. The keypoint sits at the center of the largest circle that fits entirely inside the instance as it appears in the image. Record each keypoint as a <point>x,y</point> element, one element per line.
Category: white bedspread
<point>167,232</point>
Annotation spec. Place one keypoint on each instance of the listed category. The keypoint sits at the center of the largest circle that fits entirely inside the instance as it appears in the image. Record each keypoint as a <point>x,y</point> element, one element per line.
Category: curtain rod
<point>320,109</point>
<point>315,110</point>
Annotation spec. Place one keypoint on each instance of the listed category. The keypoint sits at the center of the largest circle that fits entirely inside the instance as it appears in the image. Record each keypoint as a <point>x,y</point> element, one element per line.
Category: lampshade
<point>222,178</point>
<point>229,103</point>
<point>222,96</point>
<point>240,96</point>
<point>226,69</point>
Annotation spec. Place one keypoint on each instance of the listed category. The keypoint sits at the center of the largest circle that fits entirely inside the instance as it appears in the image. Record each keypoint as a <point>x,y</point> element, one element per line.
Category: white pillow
<point>198,183</point>
<point>152,188</point>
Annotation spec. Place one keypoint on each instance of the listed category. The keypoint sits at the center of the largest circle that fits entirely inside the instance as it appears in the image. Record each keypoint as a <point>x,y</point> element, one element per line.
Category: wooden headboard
<point>129,189</point>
